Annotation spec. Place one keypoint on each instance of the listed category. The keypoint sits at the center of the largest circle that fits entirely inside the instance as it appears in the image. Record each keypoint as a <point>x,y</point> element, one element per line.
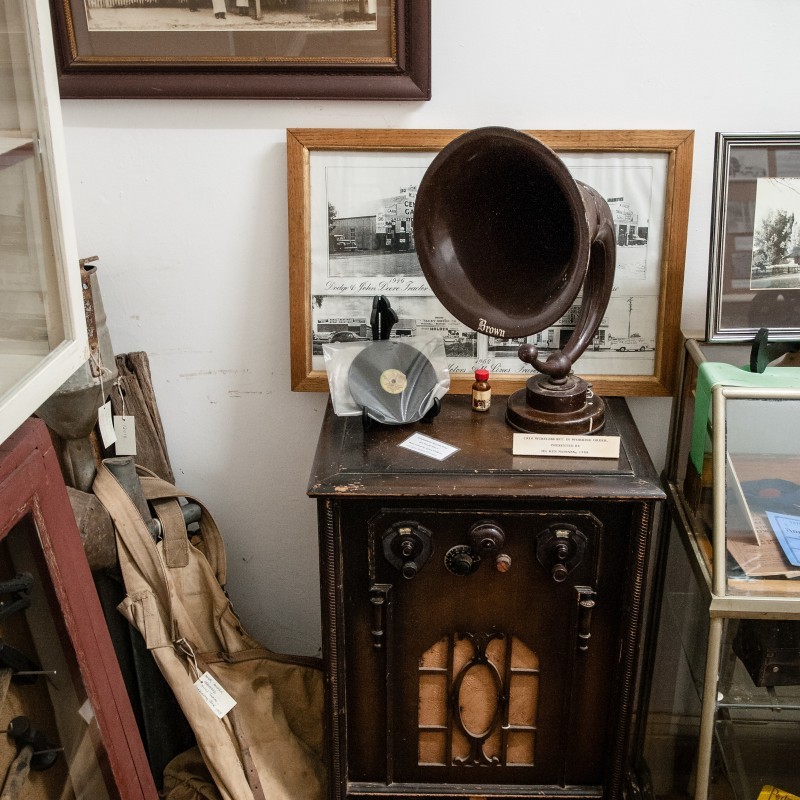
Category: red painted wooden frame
<point>31,484</point>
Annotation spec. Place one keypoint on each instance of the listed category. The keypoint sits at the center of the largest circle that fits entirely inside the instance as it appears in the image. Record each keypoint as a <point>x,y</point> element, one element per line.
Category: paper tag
<point>542,444</point>
<point>426,446</point>
<point>787,531</point>
<point>218,700</point>
<point>86,712</point>
<point>125,430</point>
<point>106,425</point>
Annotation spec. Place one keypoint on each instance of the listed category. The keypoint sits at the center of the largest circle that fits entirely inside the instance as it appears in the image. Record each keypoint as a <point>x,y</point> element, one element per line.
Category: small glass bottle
<point>481,391</point>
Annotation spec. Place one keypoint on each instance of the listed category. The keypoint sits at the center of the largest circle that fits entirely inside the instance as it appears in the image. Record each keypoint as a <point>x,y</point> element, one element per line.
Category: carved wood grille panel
<point>478,701</point>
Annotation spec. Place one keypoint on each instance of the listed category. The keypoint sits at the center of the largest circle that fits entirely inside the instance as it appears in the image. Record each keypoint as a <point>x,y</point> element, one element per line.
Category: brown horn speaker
<point>507,238</point>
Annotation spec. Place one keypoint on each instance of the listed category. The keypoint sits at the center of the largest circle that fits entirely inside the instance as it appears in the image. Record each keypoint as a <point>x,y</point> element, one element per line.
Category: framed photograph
<point>351,237</point>
<point>314,49</point>
<point>754,280</point>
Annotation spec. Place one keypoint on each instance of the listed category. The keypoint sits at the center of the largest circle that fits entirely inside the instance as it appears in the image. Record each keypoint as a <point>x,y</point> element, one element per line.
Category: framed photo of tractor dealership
<point>338,49</point>
<point>351,237</point>
<point>755,238</point>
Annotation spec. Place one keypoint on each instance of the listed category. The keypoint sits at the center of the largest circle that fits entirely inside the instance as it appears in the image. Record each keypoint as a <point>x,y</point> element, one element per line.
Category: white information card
<point>543,444</point>
<point>426,446</point>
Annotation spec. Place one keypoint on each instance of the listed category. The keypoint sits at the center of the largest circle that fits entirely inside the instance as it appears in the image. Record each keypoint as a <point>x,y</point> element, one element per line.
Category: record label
<point>393,381</point>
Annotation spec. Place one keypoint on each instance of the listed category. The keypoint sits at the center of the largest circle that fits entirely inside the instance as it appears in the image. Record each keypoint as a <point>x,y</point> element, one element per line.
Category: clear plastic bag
<point>396,381</point>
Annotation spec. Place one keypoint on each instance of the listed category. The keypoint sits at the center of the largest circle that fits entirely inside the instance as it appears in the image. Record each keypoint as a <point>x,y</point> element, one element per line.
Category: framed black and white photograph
<point>754,280</point>
<point>351,208</point>
<point>340,49</point>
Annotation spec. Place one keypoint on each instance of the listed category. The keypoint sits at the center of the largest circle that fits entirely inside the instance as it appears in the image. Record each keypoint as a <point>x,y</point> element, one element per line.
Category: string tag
<point>106,425</point>
<point>104,412</point>
<point>125,432</point>
<point>124,428</point>
<point>217,699</point>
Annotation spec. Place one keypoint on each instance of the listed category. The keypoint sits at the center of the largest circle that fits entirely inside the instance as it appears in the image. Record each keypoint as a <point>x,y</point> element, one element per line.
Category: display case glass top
<point>721,698</point>
<point>42,327</point>
<point>762,495</point>
<point>735,469</point>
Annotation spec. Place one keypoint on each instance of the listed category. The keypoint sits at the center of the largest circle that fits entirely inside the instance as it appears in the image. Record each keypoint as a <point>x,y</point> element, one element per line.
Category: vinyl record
<point>393,381</point>
<point>772,493</point>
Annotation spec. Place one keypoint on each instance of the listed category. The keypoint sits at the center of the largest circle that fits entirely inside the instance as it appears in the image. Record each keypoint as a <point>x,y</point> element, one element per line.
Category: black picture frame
<point>754,276</point>
<point>389,61</point>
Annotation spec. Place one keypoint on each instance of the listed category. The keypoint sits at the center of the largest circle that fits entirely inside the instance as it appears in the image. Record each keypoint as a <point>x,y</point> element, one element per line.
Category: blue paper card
<point>787,532</point>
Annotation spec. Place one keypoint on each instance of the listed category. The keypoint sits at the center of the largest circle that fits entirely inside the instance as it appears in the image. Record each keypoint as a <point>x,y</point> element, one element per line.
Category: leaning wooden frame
<point>351,200</point>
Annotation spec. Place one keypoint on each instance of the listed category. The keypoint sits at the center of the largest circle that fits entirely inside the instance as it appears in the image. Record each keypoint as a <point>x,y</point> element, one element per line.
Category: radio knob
<point>502,562</point>
<point>409,570</point>
<point>486,538</point>
<point>460,560</point>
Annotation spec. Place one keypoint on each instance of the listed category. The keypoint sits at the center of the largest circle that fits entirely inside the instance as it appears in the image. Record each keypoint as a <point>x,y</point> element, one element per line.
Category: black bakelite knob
<point>460,560</point>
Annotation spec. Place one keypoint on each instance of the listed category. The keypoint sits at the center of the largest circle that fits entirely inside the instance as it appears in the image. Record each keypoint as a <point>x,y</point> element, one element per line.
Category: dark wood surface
<point>350,461</point>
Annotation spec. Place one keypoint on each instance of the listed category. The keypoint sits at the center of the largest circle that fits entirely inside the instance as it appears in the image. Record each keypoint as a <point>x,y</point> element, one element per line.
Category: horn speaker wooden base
<point>547,406</point>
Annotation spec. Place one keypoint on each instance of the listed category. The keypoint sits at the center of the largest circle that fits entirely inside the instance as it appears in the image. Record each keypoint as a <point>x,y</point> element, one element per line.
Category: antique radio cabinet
<point>482,614</point>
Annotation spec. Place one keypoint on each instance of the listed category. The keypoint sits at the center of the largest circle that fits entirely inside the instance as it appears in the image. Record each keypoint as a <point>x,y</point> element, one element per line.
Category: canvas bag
<point>271,744</point>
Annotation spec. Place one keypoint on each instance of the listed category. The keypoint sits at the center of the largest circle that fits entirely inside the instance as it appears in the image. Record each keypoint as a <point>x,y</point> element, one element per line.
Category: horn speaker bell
<point>507,238</point>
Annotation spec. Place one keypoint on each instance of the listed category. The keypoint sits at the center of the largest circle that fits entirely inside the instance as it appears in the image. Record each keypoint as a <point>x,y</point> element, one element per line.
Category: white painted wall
<point>185,202</point>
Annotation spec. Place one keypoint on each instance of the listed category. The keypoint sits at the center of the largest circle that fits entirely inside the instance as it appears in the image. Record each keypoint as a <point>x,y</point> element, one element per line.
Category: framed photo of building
<point>754,280</point>
<point>351,237</point>
<point>339,49</point>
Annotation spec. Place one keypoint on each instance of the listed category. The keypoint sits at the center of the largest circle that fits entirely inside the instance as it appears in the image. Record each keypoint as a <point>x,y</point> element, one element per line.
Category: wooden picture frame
<point>754,279</point>
<point>93,721</point>
<point>287,49</point>
<point>672,150</point>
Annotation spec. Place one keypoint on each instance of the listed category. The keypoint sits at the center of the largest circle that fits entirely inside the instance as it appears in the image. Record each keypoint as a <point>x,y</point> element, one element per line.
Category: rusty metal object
<point>123,469</point>
<point>71,412</point>
<point>24,670</point>
<point>89,311</point>
<point>96,529</point>
<point>507,238</point>
<point>34,752</point>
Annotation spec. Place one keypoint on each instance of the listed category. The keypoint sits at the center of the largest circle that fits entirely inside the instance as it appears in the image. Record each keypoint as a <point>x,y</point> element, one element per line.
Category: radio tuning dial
<point>460,560</point>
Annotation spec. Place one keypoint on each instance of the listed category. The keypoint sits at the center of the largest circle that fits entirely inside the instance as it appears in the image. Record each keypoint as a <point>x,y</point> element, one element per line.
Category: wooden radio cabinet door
<point>481,667</point>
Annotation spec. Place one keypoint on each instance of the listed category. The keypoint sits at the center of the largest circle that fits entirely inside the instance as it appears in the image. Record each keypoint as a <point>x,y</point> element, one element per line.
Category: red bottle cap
<point>481,374</point>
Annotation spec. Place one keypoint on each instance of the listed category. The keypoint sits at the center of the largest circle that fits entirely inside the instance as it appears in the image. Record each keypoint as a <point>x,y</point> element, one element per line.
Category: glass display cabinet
<point>722,703</point>
<point>42,324</point>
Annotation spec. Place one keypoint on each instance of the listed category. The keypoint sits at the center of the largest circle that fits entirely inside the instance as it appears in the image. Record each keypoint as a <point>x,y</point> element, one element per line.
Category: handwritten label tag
<point>426,446</point>
<point>106,425</point>
<point>787,531</point>
<point>543,444</point>
<point>125,430</point>
<point>217,699</point>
